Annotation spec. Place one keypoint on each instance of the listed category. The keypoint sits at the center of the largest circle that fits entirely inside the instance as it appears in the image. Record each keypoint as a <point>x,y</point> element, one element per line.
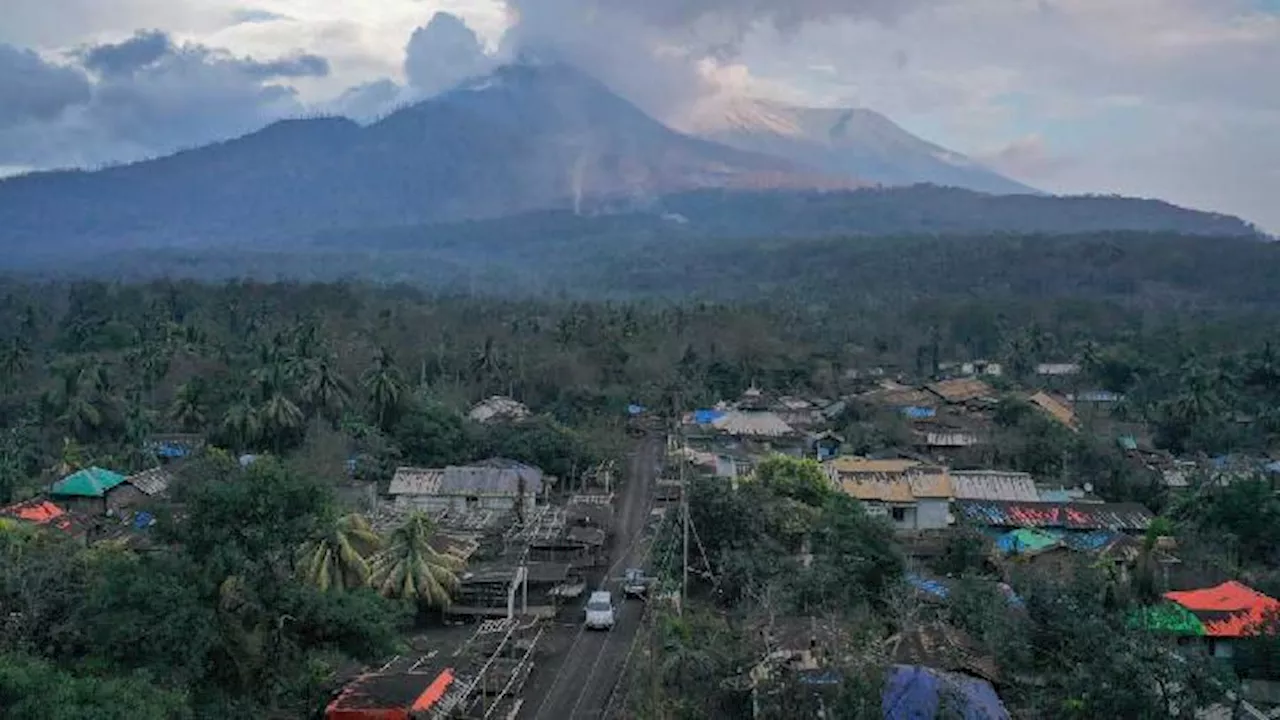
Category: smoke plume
<point>666,54</point>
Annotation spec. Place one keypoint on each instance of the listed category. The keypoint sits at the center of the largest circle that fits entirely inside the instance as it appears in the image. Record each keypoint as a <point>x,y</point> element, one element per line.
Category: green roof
<point>1127,442</point>
<point>1167,618</point>
<point>90,482</point>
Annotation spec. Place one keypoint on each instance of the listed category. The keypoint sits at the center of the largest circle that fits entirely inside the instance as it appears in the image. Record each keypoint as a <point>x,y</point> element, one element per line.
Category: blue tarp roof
<point>634,409</point>
<point>919,413</point>
<point>706,417</point>
<point>919,693</point>
<point>925,585</point>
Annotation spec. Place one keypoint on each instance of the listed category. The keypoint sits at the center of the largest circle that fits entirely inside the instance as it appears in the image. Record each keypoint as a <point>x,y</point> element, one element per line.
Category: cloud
<point>368,101</point>
<point>35,90</point>
<point>124,58</point>
<point>255,16</point>
<point>143,96</point>
<point>443,53</point>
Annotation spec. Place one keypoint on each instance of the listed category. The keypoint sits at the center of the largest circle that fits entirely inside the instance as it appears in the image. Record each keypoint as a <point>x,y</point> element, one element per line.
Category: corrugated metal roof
<point>503,480</point>
<point>993,485</point>
<point>886,491</point>
<point>753,424</point>
<point>953,440</point>
<point>1072,516</point>
<point>961,390</point>
<point>90,482</point>
<point>859,465</point>
<point>150,482</point>
<point>498,407</point>
<point>1056,408</point>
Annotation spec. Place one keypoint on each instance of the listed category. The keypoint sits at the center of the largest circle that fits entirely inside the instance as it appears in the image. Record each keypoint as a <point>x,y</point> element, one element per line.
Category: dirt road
<point>582,667</point>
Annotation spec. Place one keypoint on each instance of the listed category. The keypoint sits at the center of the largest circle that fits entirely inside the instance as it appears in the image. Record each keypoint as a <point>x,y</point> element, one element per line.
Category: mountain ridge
<point>843,140</point>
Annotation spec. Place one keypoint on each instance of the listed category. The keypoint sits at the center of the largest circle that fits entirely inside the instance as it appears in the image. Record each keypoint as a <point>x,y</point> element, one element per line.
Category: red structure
<point>1229,610</point>
<point>391,695</point>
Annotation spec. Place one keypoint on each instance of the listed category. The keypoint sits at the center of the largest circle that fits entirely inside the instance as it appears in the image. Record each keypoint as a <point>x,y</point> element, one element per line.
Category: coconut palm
<point>188,408</point>
<point>411,568</point>
<point>385,385</point>
<point>325,391</point>
<point>340,559</point>
<point>242,424</point>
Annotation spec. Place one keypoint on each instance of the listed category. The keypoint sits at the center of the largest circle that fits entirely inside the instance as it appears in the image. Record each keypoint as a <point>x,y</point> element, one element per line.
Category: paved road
<point>580,668</point>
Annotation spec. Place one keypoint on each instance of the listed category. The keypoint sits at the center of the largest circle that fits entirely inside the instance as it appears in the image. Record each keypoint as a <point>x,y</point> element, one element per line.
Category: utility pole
<point>684,510</point>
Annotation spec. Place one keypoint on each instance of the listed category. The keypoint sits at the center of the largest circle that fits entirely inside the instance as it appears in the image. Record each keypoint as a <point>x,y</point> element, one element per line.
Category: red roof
<point>1229,610</point>
<point>40,512</point>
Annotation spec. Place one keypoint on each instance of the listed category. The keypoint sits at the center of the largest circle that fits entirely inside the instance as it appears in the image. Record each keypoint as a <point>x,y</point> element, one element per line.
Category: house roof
<point>943,647</point>
<point>1070,516</point>
<point>753,424</point>
<point>1026,541</point>
<point>913,692</point>
<point>90,482</point>
<point>417,690</point>
<point>1057,409</point>
<point>961,390</point>
<point>993,485</point>
<point>1229,610</point>
<point>498,407</point>
<point>849,465</point>
<point>40,512</point>
<point>950,439</point>
<point>906,488</point>
<point>494,478</point>
<point>150,482</point>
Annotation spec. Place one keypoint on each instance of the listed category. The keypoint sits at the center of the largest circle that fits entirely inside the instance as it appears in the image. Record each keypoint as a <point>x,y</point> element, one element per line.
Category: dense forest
<point>334,385</point>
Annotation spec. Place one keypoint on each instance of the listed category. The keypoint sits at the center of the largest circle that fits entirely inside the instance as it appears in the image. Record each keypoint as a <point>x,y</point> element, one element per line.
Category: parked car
<point>635,584</point>
<point>600,610</point>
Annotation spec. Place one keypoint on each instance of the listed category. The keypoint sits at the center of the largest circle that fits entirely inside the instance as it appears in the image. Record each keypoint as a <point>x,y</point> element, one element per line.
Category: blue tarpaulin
<point>634,409</point>
<point>919,693</point>
<point>706,417</point>
<point>919,413</point>
<point>925,585</point>
<point>143,520</point>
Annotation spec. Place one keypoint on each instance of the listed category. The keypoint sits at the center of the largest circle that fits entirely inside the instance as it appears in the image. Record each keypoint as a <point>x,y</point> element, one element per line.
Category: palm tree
<point>325,391</point>
<point>242,424</point>
<point>14,362</point>
<point>411,568</point>
<point>385,385</point>
<point>278,419</point>
<point>340,560</point>
<point>188,408</point>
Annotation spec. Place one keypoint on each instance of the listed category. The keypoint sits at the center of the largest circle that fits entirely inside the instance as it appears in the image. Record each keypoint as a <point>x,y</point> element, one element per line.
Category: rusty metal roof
<point>1057,409</point>
<point>961,390</point>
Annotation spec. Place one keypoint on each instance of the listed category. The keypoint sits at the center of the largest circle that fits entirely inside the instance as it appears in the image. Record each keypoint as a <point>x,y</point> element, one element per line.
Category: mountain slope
<point>848,141</point>
<point>523,138</point>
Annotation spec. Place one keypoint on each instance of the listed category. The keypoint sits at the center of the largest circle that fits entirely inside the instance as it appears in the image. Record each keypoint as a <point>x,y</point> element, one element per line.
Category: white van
<point>600,610</point>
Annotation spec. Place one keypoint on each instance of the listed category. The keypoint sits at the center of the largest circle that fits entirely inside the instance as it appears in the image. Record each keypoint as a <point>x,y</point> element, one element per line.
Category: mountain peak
<point>854,141</point>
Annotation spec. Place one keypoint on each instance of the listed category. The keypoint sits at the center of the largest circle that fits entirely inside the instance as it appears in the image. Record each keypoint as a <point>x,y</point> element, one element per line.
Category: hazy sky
<point>1178,99</point>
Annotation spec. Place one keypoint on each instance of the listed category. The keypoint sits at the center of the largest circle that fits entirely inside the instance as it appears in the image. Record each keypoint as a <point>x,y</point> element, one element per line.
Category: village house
<point>1060,369</point>
<point>85,491</point>
<point>1119,517</point>
<point>498,409</point>
<point>962,391</point>
<point>993,485</point>
<point>1225,616</point>
<point>1056,409</point>
<point>912,495</point>
<point>138,489</point>
<point>494,485</point>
